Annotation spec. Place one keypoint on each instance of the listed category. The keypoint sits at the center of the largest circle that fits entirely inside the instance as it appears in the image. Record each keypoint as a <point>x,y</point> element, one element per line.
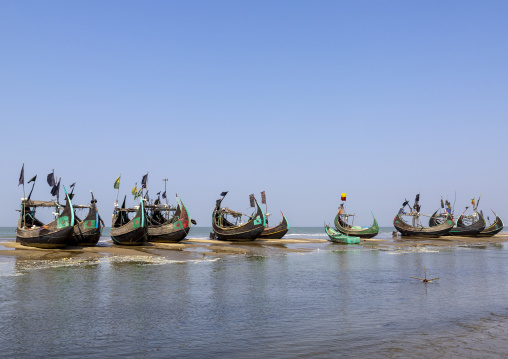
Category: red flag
<point>263,197</point>
<point>252,200</point>
<point>342,196</point>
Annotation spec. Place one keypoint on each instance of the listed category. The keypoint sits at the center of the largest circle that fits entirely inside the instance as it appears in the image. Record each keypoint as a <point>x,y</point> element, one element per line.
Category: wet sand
<point>191,249</point>
<point>446,241</point>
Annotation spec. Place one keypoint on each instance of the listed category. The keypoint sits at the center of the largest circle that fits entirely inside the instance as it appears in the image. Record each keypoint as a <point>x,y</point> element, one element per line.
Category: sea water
<point>330,301</point>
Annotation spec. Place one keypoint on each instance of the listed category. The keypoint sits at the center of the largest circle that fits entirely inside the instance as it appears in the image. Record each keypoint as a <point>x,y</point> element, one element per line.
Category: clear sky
<point>302,99</point>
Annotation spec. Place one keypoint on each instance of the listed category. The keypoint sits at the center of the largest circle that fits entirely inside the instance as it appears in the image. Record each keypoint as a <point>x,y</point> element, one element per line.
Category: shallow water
<point>333,301</point>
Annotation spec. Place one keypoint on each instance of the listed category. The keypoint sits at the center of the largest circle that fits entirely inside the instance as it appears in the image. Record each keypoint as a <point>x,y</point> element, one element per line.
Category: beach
<point>195,248</point>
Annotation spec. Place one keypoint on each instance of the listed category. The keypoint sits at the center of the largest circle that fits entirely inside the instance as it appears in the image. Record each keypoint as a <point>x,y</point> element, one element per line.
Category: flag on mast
<point>263,197</point>
<point>117,183</point>
<point>22,175</point>
<point>343,196</point>
<point>51,179</point>
<point>252,200</point>
<point>55,191</point>
<point>33,179</point>
<point>135,189</point>
<point>144,180</point>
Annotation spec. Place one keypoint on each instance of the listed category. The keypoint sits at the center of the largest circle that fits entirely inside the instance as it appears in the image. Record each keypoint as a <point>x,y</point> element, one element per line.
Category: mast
<point>144,185</point>
<point>58,191</point>
<point>24,198</point>
<point>58,197</point>
<point>118,189</point>
<point>165,193</point>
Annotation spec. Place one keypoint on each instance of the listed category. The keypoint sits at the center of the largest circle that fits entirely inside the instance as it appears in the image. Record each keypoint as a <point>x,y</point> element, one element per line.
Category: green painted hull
<point>346,229</point>
<point>338,237</point>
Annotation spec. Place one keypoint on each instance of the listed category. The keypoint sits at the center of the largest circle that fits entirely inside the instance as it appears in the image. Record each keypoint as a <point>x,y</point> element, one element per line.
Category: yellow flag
<point>343,196</point>
<point>117,183</point>
<point>134,190</point>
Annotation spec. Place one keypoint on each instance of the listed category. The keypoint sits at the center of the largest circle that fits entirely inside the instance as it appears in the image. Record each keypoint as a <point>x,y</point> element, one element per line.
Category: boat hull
<point>171,232</point>
<point>493,229</point>
<point>87,232</point>
<point>338,237</point>
<point>437,231</point>
<point>346,229</point>
<point>247,236</point>
<point>276,232</point>
<point>85,238</point>
<point>132,233</point>
<point>243,233</point>
<point>171,237</point>
<point>460,230</point>
<point>52,235</point>
<point>135,237</point>
<point>470,231</point>
<point>39,239</point>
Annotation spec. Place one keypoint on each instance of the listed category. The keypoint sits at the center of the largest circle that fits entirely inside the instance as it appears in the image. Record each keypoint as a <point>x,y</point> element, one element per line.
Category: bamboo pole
<point>24,199</point>
<point>118,190</point>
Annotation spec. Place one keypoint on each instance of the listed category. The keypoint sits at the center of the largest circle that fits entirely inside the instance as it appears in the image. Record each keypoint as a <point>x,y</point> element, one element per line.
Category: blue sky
<point>303,99</point>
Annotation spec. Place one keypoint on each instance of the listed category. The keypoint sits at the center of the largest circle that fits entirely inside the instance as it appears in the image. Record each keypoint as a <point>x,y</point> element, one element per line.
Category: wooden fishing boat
<point>338,237</point>
<point>416,229</point>
<point>130,232</point>
<point>88,231</point>
<point>473,227</point>
<point>406,229</point>
<point>226,230</point>
<point>341,224</point>
<point>493,229</point>
<point>276,232</point>
<point>32,232</point>
<point>163,229</point>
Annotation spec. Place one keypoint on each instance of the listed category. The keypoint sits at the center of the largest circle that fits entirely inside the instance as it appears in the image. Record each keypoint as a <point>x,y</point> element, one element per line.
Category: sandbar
<point>190,248</point>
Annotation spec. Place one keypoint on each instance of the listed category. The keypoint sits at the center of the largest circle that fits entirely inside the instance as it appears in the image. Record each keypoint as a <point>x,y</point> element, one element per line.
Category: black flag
<point>263,197</point>
<point>417,204</point>
<point>224,193</point>
<point>22,175</point>
<point>72,185</point>
<point>144,180</point>
<point>55,191</point>
<point>164,195</point>
<point>31,189</point>
<point>51,179</point>
<point>252,201</point>
<point>33,179</point>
